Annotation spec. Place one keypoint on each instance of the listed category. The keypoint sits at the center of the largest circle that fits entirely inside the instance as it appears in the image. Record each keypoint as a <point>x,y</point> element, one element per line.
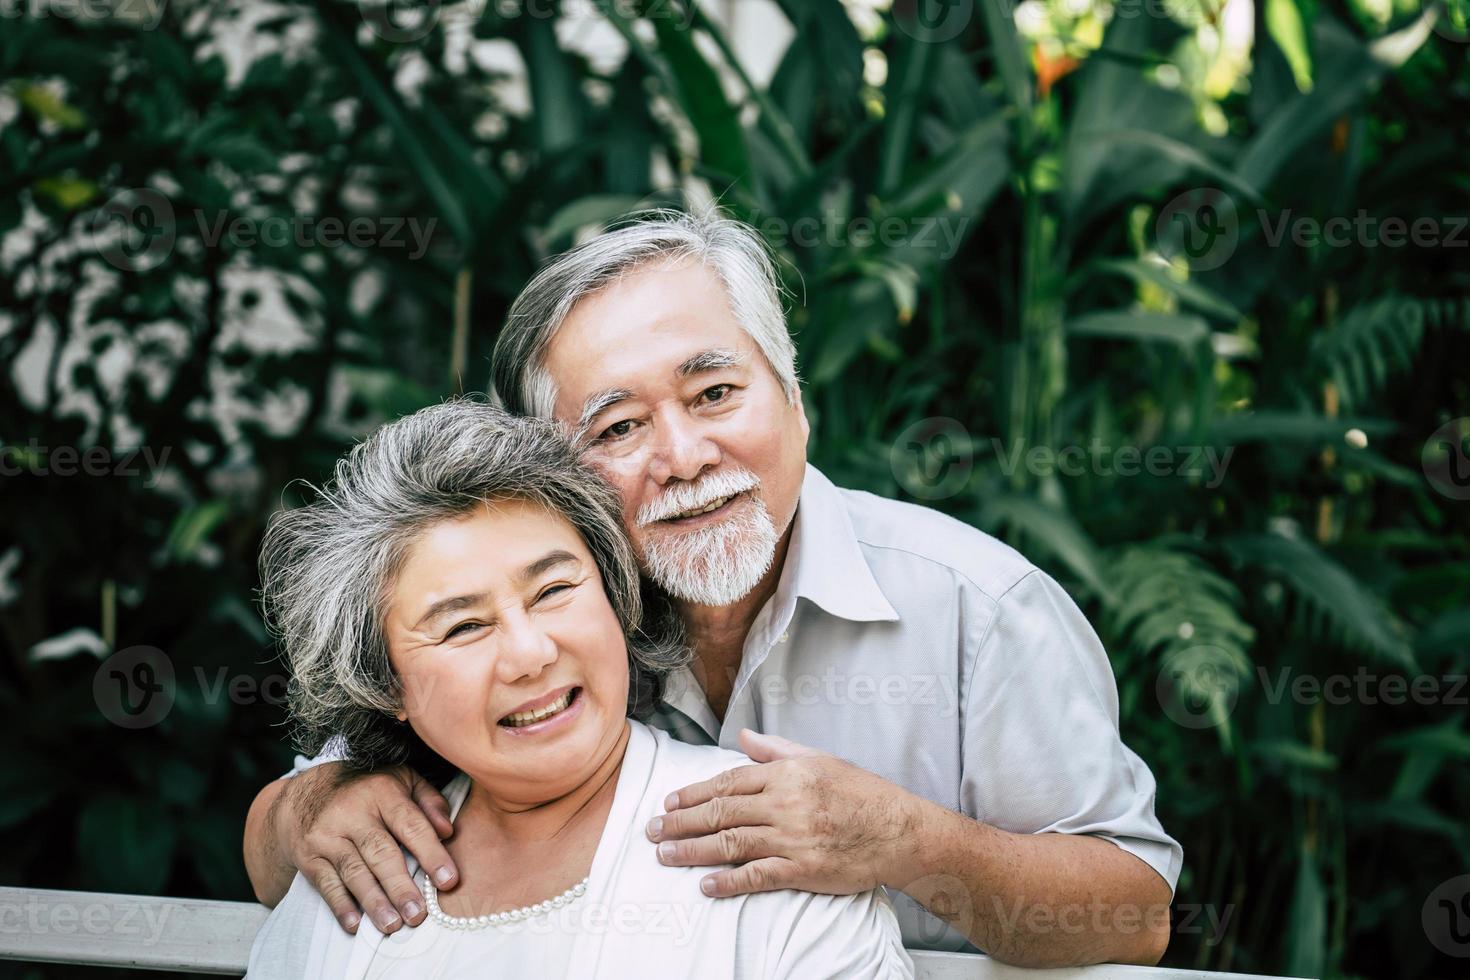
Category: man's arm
<point>808,820</point>
<point>1035,900</point>
<point>346,834</point>
<point>270,870</point>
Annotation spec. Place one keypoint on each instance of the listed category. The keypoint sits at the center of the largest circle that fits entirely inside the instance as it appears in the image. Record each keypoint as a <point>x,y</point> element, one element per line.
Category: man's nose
<point>526,649</point>
<point>683,452</point>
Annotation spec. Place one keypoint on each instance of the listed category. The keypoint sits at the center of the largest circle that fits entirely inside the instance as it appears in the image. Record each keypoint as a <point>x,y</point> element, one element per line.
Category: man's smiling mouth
<point>709,508</point>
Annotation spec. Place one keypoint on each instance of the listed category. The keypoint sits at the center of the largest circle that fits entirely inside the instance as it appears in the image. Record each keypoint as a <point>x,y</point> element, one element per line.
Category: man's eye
<point>616,431</point>
<point>463,629</point>
<point>715,393</point>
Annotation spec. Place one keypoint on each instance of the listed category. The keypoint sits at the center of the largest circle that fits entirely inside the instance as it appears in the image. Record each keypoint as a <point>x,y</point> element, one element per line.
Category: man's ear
<point>806,427</point>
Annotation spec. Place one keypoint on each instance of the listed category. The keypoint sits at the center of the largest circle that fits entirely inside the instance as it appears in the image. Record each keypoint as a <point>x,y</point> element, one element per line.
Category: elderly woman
<point>463,594</point>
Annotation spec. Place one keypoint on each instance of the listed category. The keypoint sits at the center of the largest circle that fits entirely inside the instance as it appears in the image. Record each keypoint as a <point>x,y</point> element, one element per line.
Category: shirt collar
<point>825,563</point>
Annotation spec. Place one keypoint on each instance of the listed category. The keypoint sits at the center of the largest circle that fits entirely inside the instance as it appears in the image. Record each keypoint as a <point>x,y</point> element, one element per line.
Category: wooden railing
<point>189,934</point>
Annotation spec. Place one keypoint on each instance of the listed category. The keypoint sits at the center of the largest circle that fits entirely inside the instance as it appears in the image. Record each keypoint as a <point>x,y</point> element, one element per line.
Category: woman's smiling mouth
<point>536,716</point>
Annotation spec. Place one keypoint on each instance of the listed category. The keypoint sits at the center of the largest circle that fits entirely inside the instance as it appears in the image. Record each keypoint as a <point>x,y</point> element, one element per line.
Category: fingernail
<point>655,827</point>
<point>671,802</point>
<point>443,876</point>
<point>666,851</point>
<point>350,921</point>
<point>386,920</point>
<point>707,886</point>
<point>412,910</point>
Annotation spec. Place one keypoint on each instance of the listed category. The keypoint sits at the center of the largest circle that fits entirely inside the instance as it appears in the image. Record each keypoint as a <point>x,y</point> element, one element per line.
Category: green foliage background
<point>1066,314</point>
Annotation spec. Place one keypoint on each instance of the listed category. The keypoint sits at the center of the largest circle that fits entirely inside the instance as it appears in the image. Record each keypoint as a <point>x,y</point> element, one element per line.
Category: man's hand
<point>799,819</point>
<point>345,833</point>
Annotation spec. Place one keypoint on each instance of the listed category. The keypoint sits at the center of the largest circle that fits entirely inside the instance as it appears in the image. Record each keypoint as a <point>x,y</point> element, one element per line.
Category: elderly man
<point>927,710</point>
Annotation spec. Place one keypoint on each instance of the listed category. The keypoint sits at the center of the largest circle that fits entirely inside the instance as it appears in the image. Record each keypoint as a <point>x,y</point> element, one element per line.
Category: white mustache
<point>685,497</point>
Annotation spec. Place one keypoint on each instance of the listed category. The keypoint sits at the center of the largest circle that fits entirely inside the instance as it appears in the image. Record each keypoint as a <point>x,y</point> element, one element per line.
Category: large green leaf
<point>1338,607</point>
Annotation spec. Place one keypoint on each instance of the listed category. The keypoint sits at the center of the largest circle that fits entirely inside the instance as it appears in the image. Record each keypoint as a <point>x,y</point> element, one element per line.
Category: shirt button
<point>784,637</point>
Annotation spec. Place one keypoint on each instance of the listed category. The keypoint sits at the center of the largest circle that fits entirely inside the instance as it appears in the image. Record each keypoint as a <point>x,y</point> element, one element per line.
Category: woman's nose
<point>526,649</point>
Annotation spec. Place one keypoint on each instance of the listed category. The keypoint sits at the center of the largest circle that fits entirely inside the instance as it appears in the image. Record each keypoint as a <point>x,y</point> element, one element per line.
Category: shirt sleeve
<point>1041,748</point>
<point>791,935</point>
<point>335,750</point>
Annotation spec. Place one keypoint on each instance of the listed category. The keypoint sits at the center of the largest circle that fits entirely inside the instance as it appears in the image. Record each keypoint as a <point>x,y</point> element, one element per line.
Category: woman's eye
<point>553,590</point>
<point>463,629</point>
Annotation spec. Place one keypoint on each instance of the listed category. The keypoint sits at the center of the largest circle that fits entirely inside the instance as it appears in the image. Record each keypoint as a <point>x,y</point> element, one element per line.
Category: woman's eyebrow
<point>537,568</point>
<point>545,564</point>
<point>452,604</point>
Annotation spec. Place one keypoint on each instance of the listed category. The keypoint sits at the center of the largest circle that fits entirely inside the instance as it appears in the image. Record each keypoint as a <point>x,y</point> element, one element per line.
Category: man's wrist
<point>914,844</point>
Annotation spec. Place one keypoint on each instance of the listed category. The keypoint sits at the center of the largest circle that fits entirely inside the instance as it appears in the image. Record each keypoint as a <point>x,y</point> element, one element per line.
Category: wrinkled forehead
<point>644,335</point>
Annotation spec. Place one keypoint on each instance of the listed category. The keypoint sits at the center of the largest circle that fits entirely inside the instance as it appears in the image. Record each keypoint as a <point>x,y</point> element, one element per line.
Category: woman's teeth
<point>714,505</point>
<point>523,718</point>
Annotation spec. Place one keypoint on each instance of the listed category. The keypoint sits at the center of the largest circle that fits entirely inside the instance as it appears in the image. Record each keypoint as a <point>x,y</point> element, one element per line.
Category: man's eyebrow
<point>538,567</point>
<point>597,403</point>
<point>711,360</point>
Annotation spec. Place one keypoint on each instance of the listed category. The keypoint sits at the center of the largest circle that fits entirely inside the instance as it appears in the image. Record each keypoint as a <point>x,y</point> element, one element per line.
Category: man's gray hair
<point>732,249</point>
<point>327,569</point>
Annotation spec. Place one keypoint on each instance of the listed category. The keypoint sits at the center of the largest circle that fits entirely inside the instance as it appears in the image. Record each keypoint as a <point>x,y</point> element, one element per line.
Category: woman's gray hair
<point>732,249</point>
<point>327,569</point>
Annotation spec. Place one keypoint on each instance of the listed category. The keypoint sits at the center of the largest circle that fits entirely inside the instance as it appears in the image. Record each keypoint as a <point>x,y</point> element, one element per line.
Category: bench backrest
<point>189,934</point>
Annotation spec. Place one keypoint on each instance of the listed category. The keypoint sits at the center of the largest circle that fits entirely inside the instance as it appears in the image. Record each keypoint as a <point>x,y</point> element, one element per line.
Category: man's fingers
<point>363,885</point>
<point>740,781</point>
<point>772,748</point>
<point>328,884</point>
<point>408,823</point>
<point>707,818</point>
<point>387,864</point>
<point>735,845</point>
<point>765,875</point>
<point>436,808</point>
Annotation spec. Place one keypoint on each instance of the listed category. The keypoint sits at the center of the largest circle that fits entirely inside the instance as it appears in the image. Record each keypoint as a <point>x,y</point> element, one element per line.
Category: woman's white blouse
<point>637,917</point>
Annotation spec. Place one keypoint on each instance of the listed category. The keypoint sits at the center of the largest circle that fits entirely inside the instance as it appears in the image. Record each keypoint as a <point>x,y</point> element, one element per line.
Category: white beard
<point>719,564</point>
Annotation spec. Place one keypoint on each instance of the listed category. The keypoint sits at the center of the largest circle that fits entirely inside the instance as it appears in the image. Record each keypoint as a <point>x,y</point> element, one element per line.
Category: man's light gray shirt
<point>928,652</point>
<point>934,655</point>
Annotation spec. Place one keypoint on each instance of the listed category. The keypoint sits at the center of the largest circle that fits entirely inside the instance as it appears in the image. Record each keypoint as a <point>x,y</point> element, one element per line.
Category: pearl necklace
<point>431,895</point>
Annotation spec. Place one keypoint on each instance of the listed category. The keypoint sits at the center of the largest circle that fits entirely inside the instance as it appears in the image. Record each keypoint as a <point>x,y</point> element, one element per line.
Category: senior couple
<point>614,683</point>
